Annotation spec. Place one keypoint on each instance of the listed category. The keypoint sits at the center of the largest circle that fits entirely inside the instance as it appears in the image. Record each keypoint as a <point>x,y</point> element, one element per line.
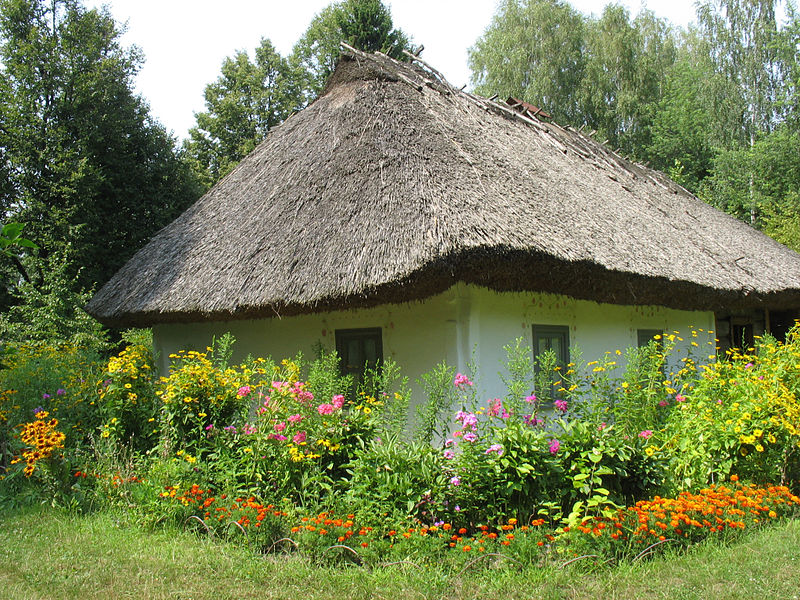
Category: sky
<point>184,42</point>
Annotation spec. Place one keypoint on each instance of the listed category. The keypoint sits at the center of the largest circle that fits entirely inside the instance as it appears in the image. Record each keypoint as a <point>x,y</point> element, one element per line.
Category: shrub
<point>127,398</point>
<point>742,415</point>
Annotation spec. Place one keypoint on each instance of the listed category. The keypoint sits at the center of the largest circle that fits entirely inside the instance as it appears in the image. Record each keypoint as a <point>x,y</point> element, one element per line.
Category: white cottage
<point>399,216</point>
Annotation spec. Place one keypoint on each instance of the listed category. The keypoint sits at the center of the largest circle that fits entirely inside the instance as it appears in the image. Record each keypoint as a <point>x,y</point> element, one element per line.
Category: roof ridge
<point>564,136</point>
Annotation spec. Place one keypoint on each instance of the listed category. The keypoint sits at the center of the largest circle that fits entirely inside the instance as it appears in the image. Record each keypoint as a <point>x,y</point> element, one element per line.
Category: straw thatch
<point>394,185</point>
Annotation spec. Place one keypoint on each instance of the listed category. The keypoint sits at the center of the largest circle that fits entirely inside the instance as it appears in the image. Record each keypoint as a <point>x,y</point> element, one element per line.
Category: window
<point>358,349</point>
<point>645,336</point>
<point>742,333</point>
<point>550,337</point>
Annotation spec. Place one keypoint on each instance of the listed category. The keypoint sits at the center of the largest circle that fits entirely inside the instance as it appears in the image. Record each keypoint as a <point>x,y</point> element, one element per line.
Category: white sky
<point>185,41</point>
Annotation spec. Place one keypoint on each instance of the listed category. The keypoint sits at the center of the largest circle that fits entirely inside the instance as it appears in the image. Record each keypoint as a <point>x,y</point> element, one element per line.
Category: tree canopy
<point>247,100</point>
<point>716,107</point>
<point>85,167</point>
<point>252,96</point>
<point>364,24</point>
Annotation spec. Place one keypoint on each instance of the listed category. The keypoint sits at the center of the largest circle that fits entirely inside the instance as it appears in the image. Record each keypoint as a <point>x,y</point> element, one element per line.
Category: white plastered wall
<point>464,322</point>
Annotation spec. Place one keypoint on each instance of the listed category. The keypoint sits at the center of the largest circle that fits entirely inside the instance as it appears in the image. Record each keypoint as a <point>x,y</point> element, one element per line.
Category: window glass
<point>643,336</point>
<point>358,349</point>
<point>555,338</point>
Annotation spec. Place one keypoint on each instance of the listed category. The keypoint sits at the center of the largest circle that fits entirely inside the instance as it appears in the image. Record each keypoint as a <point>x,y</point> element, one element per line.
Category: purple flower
<point>60,392</point>
<point>554,446</point>
<point>449,443</point>
<point>457,508</point>
<point>45,396</point>
<point>449,454</point>
<point>533,421</point>
<point>230,428</point>
<point>455,480</point>
<point>748,365</point>
<point>561,405</point>
<point>495,448</point>
<point>470,437</point>
<point>278,436</point>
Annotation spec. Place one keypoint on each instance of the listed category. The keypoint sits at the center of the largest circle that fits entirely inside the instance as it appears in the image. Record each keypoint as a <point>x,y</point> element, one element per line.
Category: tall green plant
<point>440,396</point>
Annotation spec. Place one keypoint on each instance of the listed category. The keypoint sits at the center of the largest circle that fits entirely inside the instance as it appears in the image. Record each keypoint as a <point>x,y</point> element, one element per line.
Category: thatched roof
<point>394,185</point>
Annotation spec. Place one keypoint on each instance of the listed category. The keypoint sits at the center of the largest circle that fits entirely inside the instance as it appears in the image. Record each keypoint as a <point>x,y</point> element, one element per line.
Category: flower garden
<point>603,463</point>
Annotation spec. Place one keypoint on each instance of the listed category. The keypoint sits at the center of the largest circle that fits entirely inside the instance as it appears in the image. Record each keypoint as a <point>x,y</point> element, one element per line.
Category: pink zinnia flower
<point>495,448</point>
<point>663,403</point>
<point>295,418</point>
<point>561,405</point>
<point>530,399</point>
<point>680,398</point>
<point>299,437</point>
<point>449,443</point>
<point>554,446</point>
<point>279,426</point>
<point>461,380</point>
<point>338,401</point>
<point>470,421</point>
<point>470,437</point>
<point>646,434</point>
<point>455,480</point>
<point>325,409</point>
<point>495,406</point>
<point>243,391</point>
<point>449,454</point>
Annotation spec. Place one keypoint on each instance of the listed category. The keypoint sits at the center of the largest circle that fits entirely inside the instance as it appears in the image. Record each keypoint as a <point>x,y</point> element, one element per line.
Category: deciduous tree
<point>88,171</point>
<point>364,24</point>
<point>247,100</point>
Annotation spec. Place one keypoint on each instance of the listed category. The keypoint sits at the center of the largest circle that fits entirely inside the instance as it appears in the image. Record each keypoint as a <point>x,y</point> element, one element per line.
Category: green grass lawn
<point>53,554</point>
